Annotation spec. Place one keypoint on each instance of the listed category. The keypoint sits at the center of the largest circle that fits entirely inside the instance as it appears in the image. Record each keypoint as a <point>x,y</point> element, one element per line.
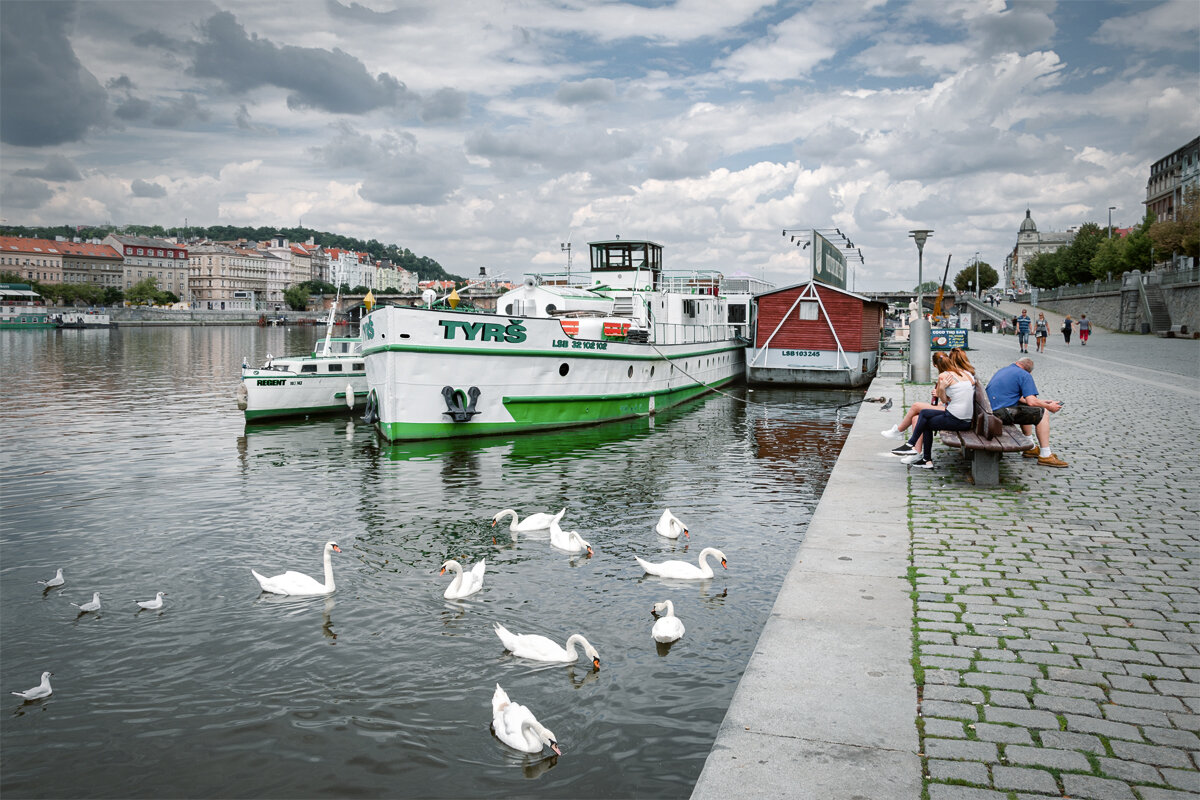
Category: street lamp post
<point>918,336</point>
<point>1110,210</point>
<point>978,285</point>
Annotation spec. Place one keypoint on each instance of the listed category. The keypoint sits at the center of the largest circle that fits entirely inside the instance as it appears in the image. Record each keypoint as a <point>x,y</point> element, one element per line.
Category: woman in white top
<point>956,388</point>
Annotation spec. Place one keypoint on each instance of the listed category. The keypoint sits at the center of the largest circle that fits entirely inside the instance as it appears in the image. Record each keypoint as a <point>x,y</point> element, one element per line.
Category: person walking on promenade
<point>1085,330</point>
<point>1014,399</point>
<point>956,389</point>
<point>1041,330</point>
<point>1022,324</point>
<point>1067,323</point>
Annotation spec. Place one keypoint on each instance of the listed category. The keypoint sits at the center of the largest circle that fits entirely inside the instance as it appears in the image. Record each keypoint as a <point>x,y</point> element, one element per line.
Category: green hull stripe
<point>561,354</point>
<point>545,413</point>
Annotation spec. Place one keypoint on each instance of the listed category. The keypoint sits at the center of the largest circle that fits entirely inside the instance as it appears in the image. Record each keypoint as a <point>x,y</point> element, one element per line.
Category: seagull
<point>93,605</point>
<point>57,580</point>
<point>38,692</point>
<point>886,405</point>
<point>152,605</point>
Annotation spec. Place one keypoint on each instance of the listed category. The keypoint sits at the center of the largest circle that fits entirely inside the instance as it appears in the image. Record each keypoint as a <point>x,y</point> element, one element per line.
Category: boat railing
<point>674,333</point>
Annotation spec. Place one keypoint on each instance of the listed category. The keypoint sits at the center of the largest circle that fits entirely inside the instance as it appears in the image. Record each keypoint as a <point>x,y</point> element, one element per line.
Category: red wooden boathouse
<point>813,334</point>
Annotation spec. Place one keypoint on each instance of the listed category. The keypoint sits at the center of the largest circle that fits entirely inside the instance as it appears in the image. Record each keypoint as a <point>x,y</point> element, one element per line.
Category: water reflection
<point>399,698</point>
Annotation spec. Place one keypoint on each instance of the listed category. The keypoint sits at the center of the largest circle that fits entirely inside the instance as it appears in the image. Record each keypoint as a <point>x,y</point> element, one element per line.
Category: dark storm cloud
<point>143,188</point>
<point>444,105</point>
<point>593,90</point>
<point>132,109</point>
<point>180,113</point>
<point>331,80</point>
<point>393,169</point>
<point>58,169</point>
<point>24,193</point>
<point>49,98</point>
<point>353,12</point>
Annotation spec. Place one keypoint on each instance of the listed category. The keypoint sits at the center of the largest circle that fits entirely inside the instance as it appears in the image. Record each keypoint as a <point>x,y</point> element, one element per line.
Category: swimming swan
<point>516,726</point>
<point>667,628</point>
<point>569,541</point>
<point>534,522</point>
<point>464,583</point>
<point>684,570</point>
<point>297,583</point>
<point>541,648</point>
<point>670,526</point>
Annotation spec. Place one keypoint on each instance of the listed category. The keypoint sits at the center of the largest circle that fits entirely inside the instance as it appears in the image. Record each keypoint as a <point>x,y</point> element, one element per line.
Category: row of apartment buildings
<point>203,274</point>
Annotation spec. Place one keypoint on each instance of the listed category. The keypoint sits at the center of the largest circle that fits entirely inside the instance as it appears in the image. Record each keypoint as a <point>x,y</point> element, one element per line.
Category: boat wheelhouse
<point>620,339</point>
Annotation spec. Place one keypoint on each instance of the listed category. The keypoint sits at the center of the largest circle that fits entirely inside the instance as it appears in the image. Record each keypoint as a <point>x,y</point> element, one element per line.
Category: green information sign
<point>829,265</point>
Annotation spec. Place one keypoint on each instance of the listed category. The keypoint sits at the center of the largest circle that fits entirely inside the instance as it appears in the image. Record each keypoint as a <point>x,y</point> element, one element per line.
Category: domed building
<point>1030,242</point>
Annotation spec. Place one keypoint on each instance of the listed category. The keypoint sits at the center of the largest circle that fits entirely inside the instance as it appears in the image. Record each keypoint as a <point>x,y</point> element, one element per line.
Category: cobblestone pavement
<point>1057,619</point>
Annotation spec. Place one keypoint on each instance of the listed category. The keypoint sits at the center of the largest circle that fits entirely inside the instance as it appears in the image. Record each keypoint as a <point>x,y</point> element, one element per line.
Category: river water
<point>127,463</point>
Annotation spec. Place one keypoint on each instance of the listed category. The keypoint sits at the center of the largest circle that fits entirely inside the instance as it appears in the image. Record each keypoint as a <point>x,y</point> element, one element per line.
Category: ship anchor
<point>454,403</point>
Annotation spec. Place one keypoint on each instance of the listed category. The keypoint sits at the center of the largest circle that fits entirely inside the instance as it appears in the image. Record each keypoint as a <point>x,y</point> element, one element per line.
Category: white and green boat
<point>623,339</point>
<point>22,307</point>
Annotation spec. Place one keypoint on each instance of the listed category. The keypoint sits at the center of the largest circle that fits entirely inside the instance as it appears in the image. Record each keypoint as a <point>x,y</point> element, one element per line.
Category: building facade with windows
<point>1170,177</point>
<point>148,257</point>
<point>33,259</point>
<point>1031,242</point>
<point>92,263</point>
<point>224,276</point>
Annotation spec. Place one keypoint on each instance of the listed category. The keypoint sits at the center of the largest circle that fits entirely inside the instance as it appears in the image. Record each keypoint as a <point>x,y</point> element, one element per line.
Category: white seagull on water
<point>91,605</point>
<point>152,605</point>
<point>38,692</point>
<point>57,580</point>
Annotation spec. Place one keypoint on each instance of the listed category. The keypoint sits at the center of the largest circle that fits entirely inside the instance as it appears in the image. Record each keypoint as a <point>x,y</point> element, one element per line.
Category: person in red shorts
<point>1085,329</point>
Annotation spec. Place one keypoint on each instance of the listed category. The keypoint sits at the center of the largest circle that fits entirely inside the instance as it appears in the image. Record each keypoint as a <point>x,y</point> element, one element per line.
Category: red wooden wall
<point>858,323</point>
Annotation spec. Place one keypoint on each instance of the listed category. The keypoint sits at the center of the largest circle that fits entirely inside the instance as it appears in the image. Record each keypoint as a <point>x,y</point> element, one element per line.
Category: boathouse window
<point>808,310</point>
<point>308,367</point>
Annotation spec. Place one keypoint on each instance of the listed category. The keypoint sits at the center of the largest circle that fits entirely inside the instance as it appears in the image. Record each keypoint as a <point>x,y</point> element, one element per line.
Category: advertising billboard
<point>829,265</point>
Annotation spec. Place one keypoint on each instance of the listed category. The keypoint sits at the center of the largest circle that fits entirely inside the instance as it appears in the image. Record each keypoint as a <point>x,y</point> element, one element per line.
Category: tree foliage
<point>1179,236</point>
<point>987,277</point>
<point>296,297</point>
<point>928,287</point>
<point>144,292</point>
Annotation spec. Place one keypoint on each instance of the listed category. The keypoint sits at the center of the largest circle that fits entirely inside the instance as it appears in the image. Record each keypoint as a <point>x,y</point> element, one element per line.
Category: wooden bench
<point>985,454</point>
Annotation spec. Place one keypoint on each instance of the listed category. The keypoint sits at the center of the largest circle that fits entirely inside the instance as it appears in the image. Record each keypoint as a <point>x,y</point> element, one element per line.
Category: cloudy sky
<point>489,133</point>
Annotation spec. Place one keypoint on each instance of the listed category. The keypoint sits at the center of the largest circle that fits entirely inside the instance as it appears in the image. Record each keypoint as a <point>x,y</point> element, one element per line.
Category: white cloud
<point>1171,25</point>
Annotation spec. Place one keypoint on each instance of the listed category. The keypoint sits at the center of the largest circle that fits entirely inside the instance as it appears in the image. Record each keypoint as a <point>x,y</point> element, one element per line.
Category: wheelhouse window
<point>335,367</point>
<point>308,367</point>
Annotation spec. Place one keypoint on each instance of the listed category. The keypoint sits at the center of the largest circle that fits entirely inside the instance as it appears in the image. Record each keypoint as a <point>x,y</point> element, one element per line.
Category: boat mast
<point>332,311</point>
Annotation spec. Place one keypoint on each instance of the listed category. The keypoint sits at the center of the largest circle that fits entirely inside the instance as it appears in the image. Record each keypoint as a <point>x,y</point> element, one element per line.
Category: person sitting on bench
<point>1013,396</point>
<point>897,431</point>
<point>956,388</point>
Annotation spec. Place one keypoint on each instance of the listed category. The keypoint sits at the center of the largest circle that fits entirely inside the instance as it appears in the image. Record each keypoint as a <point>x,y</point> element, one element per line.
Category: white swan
<point>568,541</point>
<point>464,583</point>
<point>516,726</point>
<point>670,526</point>
<point>38,692</point>
<point>541,648</point>
<point>684,570</point>
<point>667,628</point>
<point>534,522</point>
<point>297,583</point>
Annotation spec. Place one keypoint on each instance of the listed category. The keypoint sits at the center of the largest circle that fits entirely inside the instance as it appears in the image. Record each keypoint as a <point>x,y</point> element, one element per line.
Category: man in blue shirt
<point>1013,396</point>
<point>1023,323</point>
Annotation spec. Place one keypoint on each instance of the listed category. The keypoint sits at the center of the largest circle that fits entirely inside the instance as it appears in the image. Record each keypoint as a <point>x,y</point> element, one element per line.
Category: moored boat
<point>22,307</point>
<point>623,339</point>
<point>82,319</point>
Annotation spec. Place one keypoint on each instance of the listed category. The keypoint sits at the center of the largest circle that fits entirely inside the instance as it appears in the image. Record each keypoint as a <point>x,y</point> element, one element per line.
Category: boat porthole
<point>404,336</point>
<point>630,373</point>
<point>550,309</point>
<point>652,372</point>
<point>508,309</point>
<point>564,368</point>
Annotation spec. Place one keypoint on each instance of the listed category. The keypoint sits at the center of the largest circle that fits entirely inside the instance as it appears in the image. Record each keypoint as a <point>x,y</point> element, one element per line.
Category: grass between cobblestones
<point>1055,632</point>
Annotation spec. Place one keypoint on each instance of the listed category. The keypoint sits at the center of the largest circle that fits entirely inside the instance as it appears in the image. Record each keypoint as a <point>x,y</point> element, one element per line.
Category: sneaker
<point>893,433</point>
<point>1052,461</point>
<point>919,462</point>
<point>904,450</point>
<point>1033,452</point>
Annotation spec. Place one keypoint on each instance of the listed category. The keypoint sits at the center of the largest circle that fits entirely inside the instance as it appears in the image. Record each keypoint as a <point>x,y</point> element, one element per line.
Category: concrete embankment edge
<point>827,705</point>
